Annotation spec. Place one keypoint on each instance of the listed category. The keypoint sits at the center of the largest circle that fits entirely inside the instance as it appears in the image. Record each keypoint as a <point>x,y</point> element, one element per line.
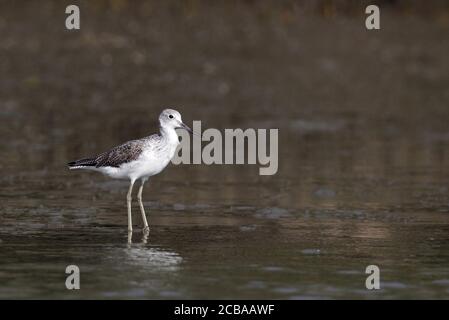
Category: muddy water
<point>363,161</point>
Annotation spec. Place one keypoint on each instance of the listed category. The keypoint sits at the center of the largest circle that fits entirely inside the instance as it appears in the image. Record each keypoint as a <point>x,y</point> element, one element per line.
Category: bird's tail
<point>82,163</point>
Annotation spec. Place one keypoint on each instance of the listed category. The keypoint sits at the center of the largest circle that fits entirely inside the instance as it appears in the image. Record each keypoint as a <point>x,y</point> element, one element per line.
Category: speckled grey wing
<point>121,154</point>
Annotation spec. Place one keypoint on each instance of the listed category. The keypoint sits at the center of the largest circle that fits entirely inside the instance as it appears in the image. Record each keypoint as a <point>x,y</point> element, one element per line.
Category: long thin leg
<point>128,201</point>
<point>142,210</point>
<point>145,237</point>
<point>130,238</point>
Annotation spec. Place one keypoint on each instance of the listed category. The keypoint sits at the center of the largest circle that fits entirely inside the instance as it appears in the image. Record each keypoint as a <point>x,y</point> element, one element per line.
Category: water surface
<point>363,154</point>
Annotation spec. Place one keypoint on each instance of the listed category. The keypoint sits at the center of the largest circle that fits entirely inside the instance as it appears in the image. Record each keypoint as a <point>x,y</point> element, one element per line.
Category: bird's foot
<point>146,229</point>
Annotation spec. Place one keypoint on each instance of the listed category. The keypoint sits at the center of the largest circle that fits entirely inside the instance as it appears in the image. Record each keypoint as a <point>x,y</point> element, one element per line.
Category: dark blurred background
<point>343,97</point>
<point>363,119</point>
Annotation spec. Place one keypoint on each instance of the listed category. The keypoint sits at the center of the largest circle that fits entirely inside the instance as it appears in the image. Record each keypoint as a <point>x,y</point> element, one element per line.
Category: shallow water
<point>363,161</point>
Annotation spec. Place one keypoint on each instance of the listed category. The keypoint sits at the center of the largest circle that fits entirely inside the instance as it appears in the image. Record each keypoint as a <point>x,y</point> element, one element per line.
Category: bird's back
<point>133,159</point>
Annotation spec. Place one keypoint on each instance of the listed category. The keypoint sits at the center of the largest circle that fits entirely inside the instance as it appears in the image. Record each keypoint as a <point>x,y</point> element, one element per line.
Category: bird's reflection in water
<point>151,257</point>
<point>144,239</point>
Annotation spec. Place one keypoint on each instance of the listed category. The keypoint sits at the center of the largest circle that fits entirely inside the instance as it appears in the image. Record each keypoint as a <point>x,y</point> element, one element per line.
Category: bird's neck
<point>169,134</point>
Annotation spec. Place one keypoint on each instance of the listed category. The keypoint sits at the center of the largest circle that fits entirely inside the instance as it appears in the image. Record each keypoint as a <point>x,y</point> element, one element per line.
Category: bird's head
<point>170,118</point>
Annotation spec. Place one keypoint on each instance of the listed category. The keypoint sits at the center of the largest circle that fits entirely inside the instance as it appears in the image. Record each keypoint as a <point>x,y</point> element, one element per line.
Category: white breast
<point>153,160</point>
<point>155,157</point>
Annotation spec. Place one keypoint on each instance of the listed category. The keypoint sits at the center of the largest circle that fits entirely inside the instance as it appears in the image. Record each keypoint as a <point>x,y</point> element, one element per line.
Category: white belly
<point>148,164</point>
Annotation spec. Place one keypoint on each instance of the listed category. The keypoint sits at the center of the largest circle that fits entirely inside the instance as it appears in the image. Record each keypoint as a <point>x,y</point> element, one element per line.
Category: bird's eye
<point>170,116</point>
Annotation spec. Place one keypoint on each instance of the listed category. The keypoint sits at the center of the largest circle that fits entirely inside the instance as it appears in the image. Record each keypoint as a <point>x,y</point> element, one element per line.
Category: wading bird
<point>139,159</point>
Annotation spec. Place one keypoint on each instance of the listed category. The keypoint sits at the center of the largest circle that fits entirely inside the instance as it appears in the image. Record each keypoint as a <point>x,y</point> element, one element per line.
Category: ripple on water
<point>187,207</point>
<point>170,294</point>
<point>393,285</point>
<point>243,208</point>
<point>311,251</point>
<point>285,290</point>
<point>248,228</point>
<point>272,213</point>
<point>307,126</point>
<point>324,193</point>
<point>441,282</point>
<point>308,297</point>
<point>154,258</point>
<point>256,284</point>
<point>273,269</point>
<point>349,272</point>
